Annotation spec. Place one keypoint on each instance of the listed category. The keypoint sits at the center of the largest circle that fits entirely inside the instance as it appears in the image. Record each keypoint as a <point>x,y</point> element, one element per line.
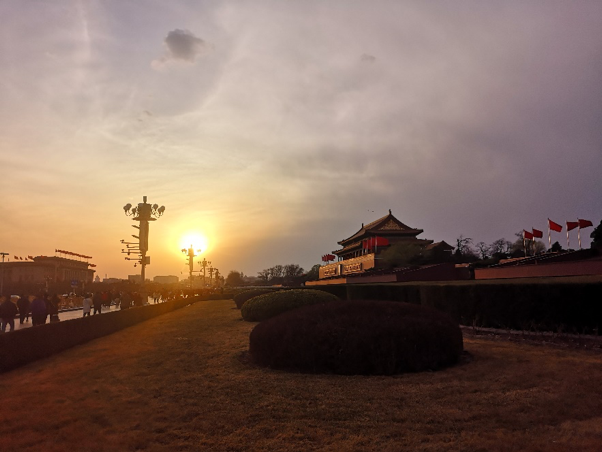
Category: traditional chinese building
<point>363,250</point>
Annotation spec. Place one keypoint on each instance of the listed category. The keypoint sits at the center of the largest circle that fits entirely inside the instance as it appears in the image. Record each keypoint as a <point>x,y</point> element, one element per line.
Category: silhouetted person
<point>38,311</point>
<point>53,308</point>
<point>23,305</point>
<point>126,300</point>
<point>8,311</point>
<point>97,302</point>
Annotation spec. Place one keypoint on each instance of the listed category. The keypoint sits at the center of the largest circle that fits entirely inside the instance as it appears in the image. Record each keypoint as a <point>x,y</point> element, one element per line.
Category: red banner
<point>537,233</point>
<point>554,226</point>
<point>585,224</point>
<point>570,225</point>
<point>527,235</point>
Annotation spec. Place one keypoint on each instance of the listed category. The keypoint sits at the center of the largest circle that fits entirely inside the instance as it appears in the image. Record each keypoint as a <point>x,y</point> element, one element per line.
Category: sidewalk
<point>63,315</point>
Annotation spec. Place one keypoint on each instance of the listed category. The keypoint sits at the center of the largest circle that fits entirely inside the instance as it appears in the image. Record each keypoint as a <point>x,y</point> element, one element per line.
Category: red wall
<point>575,268</point>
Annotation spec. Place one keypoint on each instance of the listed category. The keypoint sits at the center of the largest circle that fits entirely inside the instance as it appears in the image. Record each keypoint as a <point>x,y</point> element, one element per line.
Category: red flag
<point>527,235</point>
<point>570,225</point>
<point>585,224</point>
<point>554,226</point>
<point>16,258</point>
<point>537,233</point>
<point>30,257</point>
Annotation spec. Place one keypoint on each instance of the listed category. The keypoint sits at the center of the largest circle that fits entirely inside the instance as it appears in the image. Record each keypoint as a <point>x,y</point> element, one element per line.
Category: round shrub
<point>270,304</point>
<point>358,338</point>
<point>242,297</point>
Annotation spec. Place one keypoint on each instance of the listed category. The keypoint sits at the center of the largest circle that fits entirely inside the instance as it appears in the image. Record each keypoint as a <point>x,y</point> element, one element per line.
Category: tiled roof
<point>388,224</point>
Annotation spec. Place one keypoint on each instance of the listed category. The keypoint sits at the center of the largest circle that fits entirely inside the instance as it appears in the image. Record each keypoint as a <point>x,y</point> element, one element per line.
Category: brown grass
<point>177,383</point>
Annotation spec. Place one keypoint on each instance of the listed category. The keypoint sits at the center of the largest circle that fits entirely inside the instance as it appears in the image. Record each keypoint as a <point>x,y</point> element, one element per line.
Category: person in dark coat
<point>8,311</point>
<point>97,303</point>
<point>126,300</point>
<point>53,308</point>
<point>38,311</point>
<point>23,305</point>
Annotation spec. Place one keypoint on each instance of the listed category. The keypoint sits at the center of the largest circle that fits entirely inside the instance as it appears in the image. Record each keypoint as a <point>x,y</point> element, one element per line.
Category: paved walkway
<point>64,315</point>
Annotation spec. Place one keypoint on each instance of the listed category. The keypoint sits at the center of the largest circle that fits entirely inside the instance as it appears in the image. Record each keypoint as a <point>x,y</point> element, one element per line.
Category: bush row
<point>545,306</point>
<point>242,297</point>
<point>358,337</point>
<point>271,304</point>
<point>23,346</point>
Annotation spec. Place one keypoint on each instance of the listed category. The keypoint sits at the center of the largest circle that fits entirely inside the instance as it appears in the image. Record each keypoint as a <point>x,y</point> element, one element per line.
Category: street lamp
<point>190,253</point>
<point>2,277</point>
<point>204,263</point>
<point>143,213</point>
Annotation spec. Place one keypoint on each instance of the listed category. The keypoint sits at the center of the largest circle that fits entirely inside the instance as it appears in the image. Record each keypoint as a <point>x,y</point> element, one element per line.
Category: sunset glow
<point>197,240</point>
<point>271,130</point>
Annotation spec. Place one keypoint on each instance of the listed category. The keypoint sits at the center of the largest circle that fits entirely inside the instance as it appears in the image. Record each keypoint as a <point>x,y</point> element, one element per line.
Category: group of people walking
<point>40,308</point>
<point>44,306</point>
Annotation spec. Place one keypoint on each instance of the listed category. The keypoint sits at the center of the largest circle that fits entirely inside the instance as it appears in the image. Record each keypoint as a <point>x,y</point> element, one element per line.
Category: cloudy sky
<point>274,129</point>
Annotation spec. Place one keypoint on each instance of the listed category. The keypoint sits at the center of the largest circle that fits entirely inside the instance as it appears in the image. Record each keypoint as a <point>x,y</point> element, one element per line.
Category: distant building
<point>363,250</point>
<point>43,269</point>
<point>137,279</point>
<point>166,279</point>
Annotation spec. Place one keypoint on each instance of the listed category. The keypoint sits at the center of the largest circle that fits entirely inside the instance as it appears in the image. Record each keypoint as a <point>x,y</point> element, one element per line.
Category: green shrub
<point>242,297</point>
<point>270,304</point>
<point>358,337</point>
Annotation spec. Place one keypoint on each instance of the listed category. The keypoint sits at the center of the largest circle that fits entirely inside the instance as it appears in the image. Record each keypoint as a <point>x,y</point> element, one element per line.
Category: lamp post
<point>204,263</point>
<point>211,269</point>
<point>143,213</point>
<point>2,277</point>
<point>190,253</point>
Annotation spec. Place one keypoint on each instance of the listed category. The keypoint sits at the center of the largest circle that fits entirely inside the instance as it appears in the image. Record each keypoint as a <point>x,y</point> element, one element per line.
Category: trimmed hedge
<point>572,307</point>
<point>242,297</point>
<point>24,346</point>
<point>268,305</point>
<point>358,337</point>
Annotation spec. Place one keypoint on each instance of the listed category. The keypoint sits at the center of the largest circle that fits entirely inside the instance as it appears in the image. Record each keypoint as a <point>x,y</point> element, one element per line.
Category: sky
<point>271,130</point>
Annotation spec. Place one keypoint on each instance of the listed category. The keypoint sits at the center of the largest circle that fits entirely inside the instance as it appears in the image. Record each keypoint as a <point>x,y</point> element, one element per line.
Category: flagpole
<point>568,243</point>
<point>579,235</point>
<point>549,235</point>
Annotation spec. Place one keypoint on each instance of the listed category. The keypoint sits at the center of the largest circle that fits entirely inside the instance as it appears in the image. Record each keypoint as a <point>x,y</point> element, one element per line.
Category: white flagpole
<point>549,236</point>
<point>568,244</point>
<point>579,235</point>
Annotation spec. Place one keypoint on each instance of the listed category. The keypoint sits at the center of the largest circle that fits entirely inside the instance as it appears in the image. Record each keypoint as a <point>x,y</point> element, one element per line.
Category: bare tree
<point>483,250</point>
<point>463,245</point>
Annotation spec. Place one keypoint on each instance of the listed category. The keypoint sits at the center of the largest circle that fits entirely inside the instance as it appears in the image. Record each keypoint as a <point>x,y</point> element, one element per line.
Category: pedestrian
<point>97,302</point>
<point>126,301</point>
<point>87,304</point>
<point>23,305</point>
<point>8,311</point>
<point>53,308</point>
<point>38,310</point>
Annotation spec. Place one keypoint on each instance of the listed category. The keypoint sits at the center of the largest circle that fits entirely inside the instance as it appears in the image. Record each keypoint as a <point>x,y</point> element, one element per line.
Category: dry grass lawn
<point>177,383</point>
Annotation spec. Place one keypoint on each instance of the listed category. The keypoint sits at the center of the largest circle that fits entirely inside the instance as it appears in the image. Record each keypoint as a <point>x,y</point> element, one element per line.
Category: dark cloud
<point>182,45</point>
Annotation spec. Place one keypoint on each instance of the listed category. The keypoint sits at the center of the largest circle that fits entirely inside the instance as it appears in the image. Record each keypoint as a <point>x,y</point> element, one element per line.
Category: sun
<point>198,241</point>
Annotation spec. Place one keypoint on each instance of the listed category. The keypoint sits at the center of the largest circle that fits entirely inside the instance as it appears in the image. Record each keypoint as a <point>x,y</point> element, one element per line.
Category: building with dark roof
<point>44,269</point>
<point>363,250</point>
